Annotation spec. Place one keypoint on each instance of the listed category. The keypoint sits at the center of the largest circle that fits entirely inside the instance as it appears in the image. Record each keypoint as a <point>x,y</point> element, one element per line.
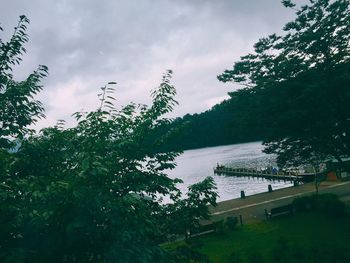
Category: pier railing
<point>267,174</point>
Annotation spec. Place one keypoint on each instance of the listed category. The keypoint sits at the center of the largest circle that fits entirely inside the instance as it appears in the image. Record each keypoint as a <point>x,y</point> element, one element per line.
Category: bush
<point>219,226</point>
<point>305,203</point>
<point>331,205</point>
<point>231,222</point>
<point>326,203</point>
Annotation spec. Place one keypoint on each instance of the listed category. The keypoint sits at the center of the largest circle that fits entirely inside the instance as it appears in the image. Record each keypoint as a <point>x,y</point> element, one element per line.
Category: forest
<point>226,123</point>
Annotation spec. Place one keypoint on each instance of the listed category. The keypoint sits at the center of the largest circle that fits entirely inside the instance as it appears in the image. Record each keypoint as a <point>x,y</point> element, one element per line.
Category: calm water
<point>194,165</point>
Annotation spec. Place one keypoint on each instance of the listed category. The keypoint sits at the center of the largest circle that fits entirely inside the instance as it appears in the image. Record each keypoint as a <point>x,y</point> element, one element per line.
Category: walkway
<point>252,207</point>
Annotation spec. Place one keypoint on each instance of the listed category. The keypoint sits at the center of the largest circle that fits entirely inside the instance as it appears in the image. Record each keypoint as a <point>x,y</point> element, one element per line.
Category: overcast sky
<point>87,43</point>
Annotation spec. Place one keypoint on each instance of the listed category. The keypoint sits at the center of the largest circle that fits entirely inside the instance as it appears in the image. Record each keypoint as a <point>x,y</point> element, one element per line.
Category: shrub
<point>330,205</point>
<point>326,203</point>
<point>305,203</point>
<point>219,226</point>
<point>231,222</point>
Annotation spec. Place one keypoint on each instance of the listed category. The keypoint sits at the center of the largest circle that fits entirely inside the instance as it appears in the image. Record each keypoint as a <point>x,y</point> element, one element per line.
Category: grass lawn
<point>303,237</point>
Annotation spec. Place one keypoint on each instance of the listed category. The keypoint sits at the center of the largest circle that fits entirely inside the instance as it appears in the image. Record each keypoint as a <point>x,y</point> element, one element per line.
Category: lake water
<point>195,165</point>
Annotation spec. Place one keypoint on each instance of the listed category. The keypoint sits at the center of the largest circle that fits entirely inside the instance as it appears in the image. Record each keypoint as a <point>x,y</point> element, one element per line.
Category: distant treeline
<point>299,118</point>
<point>235,120</point>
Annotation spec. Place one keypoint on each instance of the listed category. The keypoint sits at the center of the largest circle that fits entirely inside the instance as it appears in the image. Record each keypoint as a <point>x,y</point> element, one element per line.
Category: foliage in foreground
<point>91,193</point>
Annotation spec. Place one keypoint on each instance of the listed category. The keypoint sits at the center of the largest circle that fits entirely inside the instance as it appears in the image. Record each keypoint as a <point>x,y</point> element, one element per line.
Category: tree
<point>18,108</point>
<point>92,193</point>
<point>300,83</point>
<point>189,211</point>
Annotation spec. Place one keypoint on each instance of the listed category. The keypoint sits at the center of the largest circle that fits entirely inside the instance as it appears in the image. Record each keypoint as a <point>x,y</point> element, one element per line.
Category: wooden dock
<point>266,174</point>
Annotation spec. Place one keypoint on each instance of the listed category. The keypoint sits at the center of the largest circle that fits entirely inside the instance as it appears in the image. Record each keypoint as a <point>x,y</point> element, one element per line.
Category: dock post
<point>242,194</point>
<point>269,187</point>
<point>266,214</point>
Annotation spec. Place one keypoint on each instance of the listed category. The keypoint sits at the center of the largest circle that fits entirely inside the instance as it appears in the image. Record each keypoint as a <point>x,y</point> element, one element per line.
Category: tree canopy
<point>18,108</point>
<point>299,82</point>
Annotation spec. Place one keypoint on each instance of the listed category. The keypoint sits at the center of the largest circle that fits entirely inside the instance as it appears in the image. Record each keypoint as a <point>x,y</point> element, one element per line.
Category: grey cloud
<point>88,43</point>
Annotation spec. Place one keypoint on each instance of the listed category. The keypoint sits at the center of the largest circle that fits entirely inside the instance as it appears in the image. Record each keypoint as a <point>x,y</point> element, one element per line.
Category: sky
<point>88,43</point>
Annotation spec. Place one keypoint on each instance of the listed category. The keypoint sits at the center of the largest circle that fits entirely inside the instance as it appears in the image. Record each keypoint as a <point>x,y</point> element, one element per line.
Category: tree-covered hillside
<point>226,123</point>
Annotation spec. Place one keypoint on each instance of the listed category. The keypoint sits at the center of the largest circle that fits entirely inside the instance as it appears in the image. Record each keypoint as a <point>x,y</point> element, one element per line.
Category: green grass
<point>303,237</point>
